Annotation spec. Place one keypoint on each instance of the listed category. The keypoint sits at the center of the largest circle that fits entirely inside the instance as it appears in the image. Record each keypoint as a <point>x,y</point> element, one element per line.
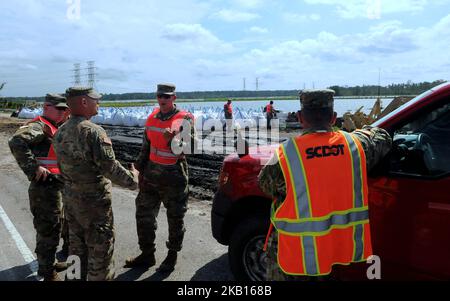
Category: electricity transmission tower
<point>76,75</point>
<point>91,74</point>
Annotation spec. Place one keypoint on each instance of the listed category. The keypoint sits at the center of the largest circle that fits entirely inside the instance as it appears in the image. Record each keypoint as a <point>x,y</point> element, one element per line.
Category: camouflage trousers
<point>173,193</point>
<point>91,228</point>
<point>47,209</point>
<point>274,272</point>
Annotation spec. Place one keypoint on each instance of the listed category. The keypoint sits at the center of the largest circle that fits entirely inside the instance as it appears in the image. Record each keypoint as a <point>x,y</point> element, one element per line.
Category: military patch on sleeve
<point>109,153</point>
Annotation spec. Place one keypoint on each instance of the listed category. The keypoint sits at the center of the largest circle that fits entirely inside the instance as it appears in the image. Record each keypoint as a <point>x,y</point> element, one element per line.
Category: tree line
<point>408,88</point>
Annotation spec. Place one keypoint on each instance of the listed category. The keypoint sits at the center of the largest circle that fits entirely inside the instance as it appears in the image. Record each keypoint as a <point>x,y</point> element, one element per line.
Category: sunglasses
<point>164,96</point>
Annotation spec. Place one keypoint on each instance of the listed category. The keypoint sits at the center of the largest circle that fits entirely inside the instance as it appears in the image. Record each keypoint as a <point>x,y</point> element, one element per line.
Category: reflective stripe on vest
<point>160,151</point>
<point>50,162</point>
<point>155,129</point>
<point>309,228</point>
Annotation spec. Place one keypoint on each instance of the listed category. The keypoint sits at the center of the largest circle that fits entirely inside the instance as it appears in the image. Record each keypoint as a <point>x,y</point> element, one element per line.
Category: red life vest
<point>228,108</point>
<point>50,161</point>
<point>324,219</point>
<point>160,150</point>
<point>269,109</point>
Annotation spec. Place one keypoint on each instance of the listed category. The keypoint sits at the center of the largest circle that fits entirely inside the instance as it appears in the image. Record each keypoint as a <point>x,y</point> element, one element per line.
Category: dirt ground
<point>9,125</point>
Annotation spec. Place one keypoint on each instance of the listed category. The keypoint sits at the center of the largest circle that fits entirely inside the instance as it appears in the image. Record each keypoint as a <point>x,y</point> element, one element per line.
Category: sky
<point>213,45</point>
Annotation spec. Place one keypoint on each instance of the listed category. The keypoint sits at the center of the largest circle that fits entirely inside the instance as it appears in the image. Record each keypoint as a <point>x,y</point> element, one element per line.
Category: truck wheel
<point>245,252</point>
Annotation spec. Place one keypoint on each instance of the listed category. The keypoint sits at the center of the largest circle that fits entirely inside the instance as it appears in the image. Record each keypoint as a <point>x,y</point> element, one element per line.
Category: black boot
<point>142,260</point>
<point>65,250</point>
<point>168,265</point>
<point>53,276</point>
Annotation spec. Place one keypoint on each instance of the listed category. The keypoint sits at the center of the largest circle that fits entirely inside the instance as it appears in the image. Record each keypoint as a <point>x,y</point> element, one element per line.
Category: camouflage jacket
<point>143,157</point>
<point>376,143</point>
<point>86,156</point>
<point>28,142</point>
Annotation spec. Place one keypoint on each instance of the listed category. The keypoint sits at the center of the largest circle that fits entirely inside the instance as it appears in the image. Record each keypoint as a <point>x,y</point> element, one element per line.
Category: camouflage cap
<point>82,91</point>
<point>317,99</point>
<point>56,100</point>
<point>168,89</point>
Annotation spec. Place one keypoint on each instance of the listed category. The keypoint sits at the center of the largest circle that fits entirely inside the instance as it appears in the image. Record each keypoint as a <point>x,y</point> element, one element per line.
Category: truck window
<point>422,146</point>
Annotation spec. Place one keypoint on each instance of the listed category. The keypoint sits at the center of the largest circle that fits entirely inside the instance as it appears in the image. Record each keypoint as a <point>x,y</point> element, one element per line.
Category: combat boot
<point>168,265</point>
<point>142,260</point>
<point>53,276</point>
<point>65,250</point>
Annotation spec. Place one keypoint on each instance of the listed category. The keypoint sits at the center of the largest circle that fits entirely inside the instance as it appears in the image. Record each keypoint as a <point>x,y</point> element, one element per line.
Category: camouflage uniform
<point>29,142</point>
<point>161,183</point>
<point>376,143</point>
<point>88,165</point>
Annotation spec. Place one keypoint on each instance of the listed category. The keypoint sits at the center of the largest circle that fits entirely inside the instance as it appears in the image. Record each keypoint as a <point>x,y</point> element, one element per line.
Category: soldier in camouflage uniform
<point>164,178</point>
<point>376,143</point>
<point>88,165</point>
<point>31,146</point>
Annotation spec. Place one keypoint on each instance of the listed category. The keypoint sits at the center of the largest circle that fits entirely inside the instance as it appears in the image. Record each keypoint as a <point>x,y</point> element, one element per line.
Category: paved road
<point>202,258</point>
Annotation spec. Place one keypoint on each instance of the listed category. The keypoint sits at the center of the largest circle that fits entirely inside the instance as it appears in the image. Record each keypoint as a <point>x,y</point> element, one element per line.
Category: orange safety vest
<point>228,108</point>
<point>50,161</point>
<point>269,109</point>
<point>160,150</point>
<point>324,219</point>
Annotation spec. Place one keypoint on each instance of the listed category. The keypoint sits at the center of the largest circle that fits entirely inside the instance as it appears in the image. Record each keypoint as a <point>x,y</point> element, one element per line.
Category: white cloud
<point>233,16</point>
<point>249,3</point>
<point>300,18</point>
<point>352,59</point>
<point>367,8</point>
<point>195,37</point>
<point>258,30</point>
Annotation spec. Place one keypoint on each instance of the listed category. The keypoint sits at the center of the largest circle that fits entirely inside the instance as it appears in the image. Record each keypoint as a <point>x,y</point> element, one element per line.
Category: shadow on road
<point>158,276</point>
<point>17,273</point>
<point>215,270</point>
<point>131,274</point>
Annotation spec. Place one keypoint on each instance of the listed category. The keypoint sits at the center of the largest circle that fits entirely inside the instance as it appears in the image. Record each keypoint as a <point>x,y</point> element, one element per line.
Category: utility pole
<point>91,74</point>
<point>76,75</point>
<point>257,84</point>
<point>244,83</point>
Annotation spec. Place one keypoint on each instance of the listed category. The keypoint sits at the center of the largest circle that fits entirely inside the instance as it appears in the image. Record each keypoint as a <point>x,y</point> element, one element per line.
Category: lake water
<point>341,106</point>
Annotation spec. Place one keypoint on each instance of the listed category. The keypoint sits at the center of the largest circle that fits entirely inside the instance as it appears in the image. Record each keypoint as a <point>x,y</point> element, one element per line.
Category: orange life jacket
<point>160,150</point>
<point>269,109</point>
<point>324,219</point>
<point>228,108</point>
<point>50,161</point>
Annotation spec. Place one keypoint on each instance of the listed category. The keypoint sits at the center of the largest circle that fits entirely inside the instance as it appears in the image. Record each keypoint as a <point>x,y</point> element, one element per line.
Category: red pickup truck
<point>409,199</point>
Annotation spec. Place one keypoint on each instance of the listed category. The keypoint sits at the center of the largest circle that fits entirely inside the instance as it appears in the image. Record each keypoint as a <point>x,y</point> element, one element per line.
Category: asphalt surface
<point>202,258</point>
